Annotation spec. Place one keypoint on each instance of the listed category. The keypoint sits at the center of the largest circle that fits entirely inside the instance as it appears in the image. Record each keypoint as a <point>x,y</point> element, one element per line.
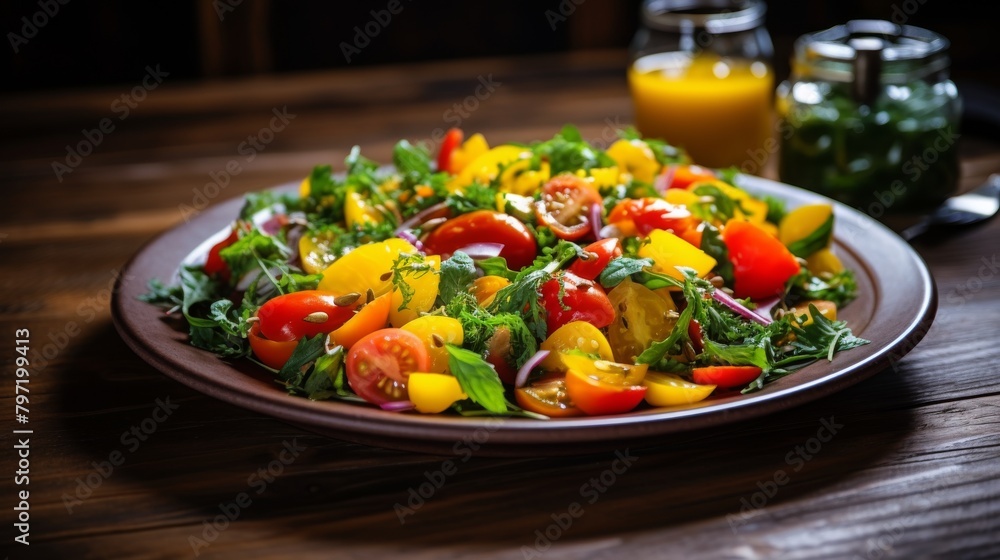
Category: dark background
<point>105,42</point>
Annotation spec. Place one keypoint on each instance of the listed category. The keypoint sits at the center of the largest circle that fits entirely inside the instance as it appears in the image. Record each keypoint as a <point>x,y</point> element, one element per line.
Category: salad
<point>549,279</point>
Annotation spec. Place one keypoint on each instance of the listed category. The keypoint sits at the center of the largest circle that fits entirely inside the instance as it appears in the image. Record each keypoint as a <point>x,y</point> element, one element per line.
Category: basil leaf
<point>477,379</point>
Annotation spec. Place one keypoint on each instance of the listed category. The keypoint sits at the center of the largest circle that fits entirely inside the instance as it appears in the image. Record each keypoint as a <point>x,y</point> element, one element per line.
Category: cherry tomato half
<point>452,140</point>
<point>565,206</point>
<point>306,313</point>
<point>599,393</point>
<point>643,215</point>
<point>379,364</point>
<point>582,300</point>
<point>272,353</point>
<point>599,254</point>
<point>761,264</point>
<point>548,397</point>
<point>684,176</point>
<point>214,265</point>
<point>484,226</point>
<point>726,377</point>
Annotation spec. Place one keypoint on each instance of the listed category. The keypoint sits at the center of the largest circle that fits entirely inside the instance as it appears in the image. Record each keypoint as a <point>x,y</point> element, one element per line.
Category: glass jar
<point>701,79</point>
<point>870,118</point>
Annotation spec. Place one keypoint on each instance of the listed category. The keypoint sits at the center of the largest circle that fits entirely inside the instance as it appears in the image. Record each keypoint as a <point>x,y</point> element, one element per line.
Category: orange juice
<point>718,109</point>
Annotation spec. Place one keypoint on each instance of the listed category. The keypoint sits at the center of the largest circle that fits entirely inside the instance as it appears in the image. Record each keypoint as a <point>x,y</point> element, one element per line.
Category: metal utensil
<point>963,210</point>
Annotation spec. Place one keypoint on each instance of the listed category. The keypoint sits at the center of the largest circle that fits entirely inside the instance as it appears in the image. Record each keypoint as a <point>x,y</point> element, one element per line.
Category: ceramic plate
<point>895,307</point>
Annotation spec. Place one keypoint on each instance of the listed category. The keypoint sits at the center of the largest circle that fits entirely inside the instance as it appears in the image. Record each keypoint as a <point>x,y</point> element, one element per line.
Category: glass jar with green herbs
<point>870,118</point>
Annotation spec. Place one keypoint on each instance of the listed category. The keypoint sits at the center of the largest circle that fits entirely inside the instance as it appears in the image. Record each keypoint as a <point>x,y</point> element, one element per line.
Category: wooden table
<point>913,469</point>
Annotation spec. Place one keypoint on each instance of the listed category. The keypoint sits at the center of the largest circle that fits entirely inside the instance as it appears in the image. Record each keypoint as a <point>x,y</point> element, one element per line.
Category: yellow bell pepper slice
<point>362,269</point>
<point>807,229</point>
<point>425,285</point>
<point>636,158</point>
<point>601,177</point>
<point>486,167</point>
<point>669,251</point>
<point>357,211</point>
<point>471,149</point>
<point>518,178</point>
<point>431,393</point>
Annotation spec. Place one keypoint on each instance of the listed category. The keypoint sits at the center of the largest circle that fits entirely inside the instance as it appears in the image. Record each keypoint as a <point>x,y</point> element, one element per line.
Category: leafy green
<point>775,208</point>
<point>840,288</point>
<point>411,160</point>
<point>818,239</point>
<point>497,266</point>
<point>405,269</point>
<point>478,380</point>
<point>713,245</point>
<point>457,274</point>
<point>658,350</point>
<point>664,153</point>
<point>715,205</point>
<point>567,151</point>
<point>820,339</point>
<point>620,268</point>
<point>250,251</point>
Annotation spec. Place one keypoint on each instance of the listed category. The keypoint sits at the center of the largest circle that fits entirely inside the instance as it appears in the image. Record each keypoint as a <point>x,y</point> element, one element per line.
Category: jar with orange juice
<point>701,79</point>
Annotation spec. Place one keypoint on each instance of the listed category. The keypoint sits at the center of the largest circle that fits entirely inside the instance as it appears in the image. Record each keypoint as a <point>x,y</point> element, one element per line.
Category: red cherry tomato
<point>548,397</point>
<point>306,313</point>
<point>379,364</point>
<point>484,226</point>
<point>452,140</point>
<point>725,377</point>
<point>596,395</point>
<point>566,204</point>
<point>684,176</point>
<point>646,214</point>
<point>272,353</point>
<point>599,254</point>
<point>582,300</point>
<point>214,265</point>
<point>694,333</point>
<point>498,355</point>
<point>761,264</point>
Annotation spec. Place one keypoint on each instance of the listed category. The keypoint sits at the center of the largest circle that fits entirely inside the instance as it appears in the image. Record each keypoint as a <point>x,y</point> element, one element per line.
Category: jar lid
<point>895,53</point>
<point>715,16</point>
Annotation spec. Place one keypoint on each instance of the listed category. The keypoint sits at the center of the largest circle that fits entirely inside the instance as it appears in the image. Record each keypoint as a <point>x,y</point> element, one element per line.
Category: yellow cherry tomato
<point>431,393</point>
<point>436,331</point>
<point>305,187</point>
<point>314,251</point>
<point>635,158</point>
<point>641,317</point>
<point>575,335</point>
<point>486,287</point>
<point>365,268</point>
<point>803,222</point>
<point>664,389</point>
<point>370,318</point>
<point>824,261</point>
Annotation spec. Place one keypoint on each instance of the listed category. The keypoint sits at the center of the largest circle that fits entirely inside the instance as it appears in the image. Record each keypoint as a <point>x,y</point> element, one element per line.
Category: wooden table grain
<point>126,463</point>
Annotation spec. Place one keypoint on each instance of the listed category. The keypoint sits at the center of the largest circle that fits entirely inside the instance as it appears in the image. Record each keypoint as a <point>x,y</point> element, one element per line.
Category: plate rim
<point>515,436</point>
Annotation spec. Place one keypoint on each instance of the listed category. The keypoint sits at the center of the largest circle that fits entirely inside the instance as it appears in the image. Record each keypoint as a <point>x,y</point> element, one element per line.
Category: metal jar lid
<point>867,53</point>
<point>715,16</point>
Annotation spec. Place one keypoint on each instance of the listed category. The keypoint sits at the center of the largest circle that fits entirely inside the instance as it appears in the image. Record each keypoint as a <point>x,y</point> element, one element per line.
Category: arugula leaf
<point>477,379</point>
<point>567,151</point>
<point>473,197</point>
<point>523,290</point>
<point>295,371</point>
<point>737,355</point>
<point>713,246</point>
<point>169,297</point>
<point>821,339</point>
<point>248,252</point>
<point>658,350</point>
<point>457,274</point>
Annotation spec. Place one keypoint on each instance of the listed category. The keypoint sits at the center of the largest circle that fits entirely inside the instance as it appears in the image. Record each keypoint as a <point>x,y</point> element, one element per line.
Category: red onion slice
<point>596,221</point>
<point>407,235</point>
<point>739,308</point>
<point>482,250</point>
<point>663,181</point>
<point>522,374</point>
<point>438,210</point>
<point>397,406</point>
<point>764,307</point>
